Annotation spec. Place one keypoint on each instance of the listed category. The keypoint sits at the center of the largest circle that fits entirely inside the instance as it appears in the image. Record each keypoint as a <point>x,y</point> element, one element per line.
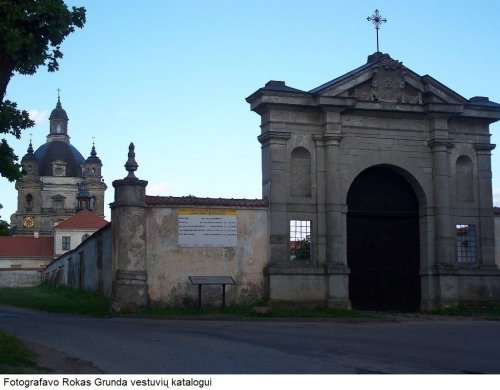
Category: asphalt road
<point>128,345</point>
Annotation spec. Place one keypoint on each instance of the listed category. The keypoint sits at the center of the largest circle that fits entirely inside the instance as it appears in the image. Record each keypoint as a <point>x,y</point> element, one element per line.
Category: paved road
<point>126,345</point>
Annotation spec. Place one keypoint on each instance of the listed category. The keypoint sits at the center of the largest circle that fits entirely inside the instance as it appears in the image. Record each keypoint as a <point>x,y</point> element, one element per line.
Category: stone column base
<point>444,288</point>
<point>130,290</point>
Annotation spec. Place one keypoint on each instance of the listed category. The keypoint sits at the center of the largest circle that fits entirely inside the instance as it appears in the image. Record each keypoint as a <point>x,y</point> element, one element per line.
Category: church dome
<point>58,112</point>
<point>59,151</point>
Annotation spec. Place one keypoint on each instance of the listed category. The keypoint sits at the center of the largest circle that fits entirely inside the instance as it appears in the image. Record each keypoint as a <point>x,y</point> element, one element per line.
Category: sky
<point>172,76</point>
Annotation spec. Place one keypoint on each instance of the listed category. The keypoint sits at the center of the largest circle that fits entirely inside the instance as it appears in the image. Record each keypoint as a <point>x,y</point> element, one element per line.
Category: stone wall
<point>88,266</point>
<point>22,271</point>
<point>20,277</point>
<point>168,264</point>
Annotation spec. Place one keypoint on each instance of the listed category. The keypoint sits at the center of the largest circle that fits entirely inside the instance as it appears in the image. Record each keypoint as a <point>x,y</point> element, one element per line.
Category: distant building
<point>73,231</point>
<point>59,182</point>
<point>22,259</point>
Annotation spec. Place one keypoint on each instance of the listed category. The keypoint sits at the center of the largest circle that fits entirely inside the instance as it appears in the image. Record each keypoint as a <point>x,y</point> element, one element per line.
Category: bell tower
<point>93,186</point>
<point>58,124</point>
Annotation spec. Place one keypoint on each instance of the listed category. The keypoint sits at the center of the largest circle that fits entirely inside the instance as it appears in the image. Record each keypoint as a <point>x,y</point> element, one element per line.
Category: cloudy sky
<point>172,77</point>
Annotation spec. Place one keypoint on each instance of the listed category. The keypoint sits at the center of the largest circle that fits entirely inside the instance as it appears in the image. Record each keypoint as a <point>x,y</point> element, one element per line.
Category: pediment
<point>28,181</point>
<point>388,80</point>
<point>95,186</point>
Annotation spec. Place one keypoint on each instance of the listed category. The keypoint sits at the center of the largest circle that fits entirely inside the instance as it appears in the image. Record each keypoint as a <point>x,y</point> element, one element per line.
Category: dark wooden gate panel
<point>383,242</point>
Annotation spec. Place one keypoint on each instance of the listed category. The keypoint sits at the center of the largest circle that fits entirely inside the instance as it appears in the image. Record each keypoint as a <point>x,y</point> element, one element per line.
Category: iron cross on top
<point>377,20</point>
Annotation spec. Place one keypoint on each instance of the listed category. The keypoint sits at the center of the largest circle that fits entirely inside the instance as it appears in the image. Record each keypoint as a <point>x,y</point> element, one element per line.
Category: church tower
<point>91,195</point>
<point>59,181</point>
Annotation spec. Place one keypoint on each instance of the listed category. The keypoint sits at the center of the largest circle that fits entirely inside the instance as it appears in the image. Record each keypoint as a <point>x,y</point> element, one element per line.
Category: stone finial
<point>131,164</point>
<point>93,153</point>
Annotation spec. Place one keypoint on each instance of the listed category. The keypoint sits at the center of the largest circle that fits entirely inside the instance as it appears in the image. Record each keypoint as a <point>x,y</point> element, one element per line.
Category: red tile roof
<point>194,201</point>
<point>26,246</point>
<point>84,219</point>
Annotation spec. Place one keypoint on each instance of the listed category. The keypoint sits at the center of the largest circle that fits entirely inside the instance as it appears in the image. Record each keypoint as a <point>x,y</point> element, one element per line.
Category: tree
<point>31,32</point>
<point>4,226</point>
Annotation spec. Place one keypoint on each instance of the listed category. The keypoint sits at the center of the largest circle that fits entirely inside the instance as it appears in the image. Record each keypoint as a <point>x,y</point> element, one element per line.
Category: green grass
<point>462,309</point>
<point>53,299</point>
<point>16,358</point>
<point>247,311</point>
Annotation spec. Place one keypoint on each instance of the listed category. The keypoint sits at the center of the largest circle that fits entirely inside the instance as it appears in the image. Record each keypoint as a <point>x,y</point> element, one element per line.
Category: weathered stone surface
<point>379,115</point>
<point>169,265</point>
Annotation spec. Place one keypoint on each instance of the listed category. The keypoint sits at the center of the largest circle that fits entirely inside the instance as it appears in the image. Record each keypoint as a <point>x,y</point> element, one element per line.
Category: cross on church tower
<point>377,20</point>
<point>58,93</point>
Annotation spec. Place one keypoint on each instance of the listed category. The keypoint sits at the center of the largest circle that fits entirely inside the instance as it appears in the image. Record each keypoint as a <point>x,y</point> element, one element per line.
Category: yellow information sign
<point>212,227</point>
<point>195,211</point>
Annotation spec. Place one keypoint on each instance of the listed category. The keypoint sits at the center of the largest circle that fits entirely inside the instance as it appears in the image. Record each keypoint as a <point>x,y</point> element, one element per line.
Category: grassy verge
<point>462,309</point>
<point>71,301</point>
<point>15,358</point>
<point>56,300</point>
<point>247,311</point>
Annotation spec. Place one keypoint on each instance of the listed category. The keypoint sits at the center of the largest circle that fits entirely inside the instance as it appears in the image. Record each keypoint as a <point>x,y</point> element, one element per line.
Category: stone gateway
<point>384,177</point>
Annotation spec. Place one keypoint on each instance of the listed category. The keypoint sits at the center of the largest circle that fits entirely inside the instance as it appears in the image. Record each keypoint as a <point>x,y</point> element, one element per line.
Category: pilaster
<point>274,188</point>
<point>486,217</point>
<point>440,144</point>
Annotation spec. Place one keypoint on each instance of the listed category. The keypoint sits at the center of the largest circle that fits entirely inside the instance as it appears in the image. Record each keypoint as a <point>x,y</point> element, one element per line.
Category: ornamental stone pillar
<point>130,290</point>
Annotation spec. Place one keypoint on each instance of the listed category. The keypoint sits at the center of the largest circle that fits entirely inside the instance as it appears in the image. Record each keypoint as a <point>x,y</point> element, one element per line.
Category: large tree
<point>31,32</point>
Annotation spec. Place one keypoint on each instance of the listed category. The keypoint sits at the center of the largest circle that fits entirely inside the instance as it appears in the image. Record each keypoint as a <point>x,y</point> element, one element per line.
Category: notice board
<point>210,227</point>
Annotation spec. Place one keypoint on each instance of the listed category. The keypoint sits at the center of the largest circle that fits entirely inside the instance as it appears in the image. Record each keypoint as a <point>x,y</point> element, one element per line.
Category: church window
<point>300,171</point>
<point>93,203</point>
<point>466,244</point>
<point>58,128</point>
<point>85,236</point>
<point>59,168</point>
<point>66,243</point>
<point>29,202</point>
<point>300,240</point>
<point>464,179</point>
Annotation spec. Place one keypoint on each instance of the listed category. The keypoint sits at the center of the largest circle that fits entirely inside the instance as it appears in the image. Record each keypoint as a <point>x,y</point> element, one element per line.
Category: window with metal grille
<point>466,244</point>
<point>300,240</point>
<point>66,243</point>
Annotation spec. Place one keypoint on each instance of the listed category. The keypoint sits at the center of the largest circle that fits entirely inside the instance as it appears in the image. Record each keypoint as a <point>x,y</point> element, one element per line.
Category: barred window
<point>466,244</point>
<point>66,243</point>
<point>300,240</point>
